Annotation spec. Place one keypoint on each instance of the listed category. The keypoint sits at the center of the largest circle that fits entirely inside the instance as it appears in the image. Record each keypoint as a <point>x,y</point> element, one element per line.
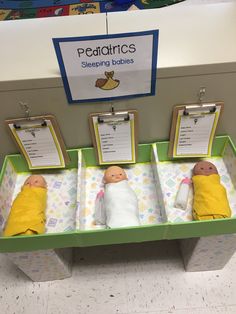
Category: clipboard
<point>193,128</point>
<point>40,141</point>
<point>114,136</point>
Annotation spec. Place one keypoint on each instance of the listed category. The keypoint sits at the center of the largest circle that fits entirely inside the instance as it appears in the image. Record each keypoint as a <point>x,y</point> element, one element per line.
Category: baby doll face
<point>204,168</point>
<point>114,174</point>
<point>36,181</point>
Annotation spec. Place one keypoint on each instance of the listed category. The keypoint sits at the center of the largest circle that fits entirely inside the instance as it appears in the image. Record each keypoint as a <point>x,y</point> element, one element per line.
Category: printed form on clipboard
<point>114,136</point>
<point>39,141</point>
<point>195,128</point>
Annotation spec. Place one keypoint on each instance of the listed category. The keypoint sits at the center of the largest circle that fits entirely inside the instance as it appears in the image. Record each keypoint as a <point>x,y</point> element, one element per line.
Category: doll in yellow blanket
<point>210,198</point>
<point>27,215</point>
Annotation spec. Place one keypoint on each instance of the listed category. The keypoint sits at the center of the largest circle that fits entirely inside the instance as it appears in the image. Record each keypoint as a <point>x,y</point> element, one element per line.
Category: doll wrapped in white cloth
<point>118,206</point>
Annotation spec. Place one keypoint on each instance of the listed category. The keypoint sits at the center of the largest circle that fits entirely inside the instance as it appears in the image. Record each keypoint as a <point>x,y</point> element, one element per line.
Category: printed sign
<point>193,133</point>
<point>116,141</point>
<point>40,141</point>
<point>114,136</point>
<point>109,66</point>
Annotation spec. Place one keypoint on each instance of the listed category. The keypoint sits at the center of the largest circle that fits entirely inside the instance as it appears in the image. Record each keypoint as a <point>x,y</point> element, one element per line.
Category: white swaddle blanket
<point>121,205</point>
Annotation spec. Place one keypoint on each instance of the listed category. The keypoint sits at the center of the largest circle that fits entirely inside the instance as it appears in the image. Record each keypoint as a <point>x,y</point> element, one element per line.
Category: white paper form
<point>39,145</point>
<point>194,134</point>
<point>115,141</point>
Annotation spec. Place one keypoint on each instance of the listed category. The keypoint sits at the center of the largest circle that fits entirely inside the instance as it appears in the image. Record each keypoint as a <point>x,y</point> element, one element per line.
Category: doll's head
<point>204,168</point>
<point>114,174</point>
<point>36,180</point>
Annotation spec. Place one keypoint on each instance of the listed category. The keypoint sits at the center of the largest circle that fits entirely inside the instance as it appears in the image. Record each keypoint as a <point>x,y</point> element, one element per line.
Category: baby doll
<point>210,197</point>
<point>27,215</point>
<point>119,200</point>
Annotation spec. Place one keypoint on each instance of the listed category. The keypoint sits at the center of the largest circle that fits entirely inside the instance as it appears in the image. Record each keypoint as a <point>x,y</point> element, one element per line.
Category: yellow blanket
<point>27,213</point>
<point>210,198</point>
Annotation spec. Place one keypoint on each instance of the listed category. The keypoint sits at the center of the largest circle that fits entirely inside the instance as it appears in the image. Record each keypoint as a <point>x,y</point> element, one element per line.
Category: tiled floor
<point>127,279</point>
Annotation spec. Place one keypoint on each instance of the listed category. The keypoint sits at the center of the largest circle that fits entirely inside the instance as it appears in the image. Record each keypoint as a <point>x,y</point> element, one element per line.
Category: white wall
<point>197,48</point>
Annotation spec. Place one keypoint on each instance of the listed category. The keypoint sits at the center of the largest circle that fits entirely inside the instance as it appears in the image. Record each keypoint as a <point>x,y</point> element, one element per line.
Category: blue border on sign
<point>57,41</point>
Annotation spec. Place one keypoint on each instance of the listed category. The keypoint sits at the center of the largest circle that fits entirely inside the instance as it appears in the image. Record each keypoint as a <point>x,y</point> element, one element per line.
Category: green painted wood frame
<point>86,238</point>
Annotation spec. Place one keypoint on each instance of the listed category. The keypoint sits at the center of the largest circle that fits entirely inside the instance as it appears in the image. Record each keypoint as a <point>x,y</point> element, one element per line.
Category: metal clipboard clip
<point>113,118</point>
<point>199,109</point>
<point>29,122</point>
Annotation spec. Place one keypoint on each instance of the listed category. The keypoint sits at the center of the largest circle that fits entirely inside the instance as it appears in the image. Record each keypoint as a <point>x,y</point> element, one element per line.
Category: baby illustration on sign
<point>210,197</point>
<point>108,83</point>
<point>117,206</point>
<point>27,215</point>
